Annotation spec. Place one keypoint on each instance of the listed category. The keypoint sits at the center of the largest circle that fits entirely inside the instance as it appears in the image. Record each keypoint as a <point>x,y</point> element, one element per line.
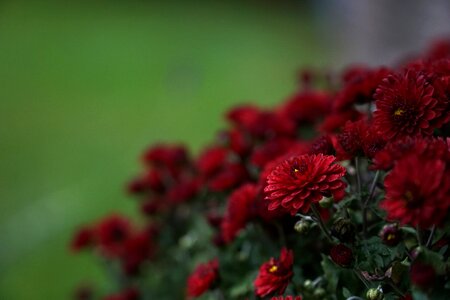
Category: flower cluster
<point>342,190</point>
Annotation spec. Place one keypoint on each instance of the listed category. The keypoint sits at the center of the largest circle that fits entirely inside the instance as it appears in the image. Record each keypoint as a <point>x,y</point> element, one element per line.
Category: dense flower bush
<point>340,192</point>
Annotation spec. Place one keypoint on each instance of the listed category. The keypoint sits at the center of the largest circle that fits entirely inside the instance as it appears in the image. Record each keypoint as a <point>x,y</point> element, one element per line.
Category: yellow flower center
<point>409,196</point>
<point>273,269</point>
<point>399,112</point>
<point>390,236</point>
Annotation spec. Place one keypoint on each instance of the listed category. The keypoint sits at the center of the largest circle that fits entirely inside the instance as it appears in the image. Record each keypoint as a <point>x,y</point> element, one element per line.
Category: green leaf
<point>346,293</point>
<point>331,273</point>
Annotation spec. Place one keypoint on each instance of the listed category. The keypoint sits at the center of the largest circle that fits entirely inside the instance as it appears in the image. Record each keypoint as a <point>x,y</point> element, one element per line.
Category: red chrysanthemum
<point>395,150</point>
<point>128,294</point>
<point>418,191</point>
<point>202,278</point>
<point>422,275</point>
<point>275,275</point>
<point>287,298</point>
<point>138,248</point>
<point>307,106</point>
<point>239,211</point>
<point>350,140</point>
<point>360,85</point>
<point>83,238</point>
<point>341,255</point>
<point>405,105</point>
<point>302,180</point>
<point>111,233</point>
<point>324,145</point>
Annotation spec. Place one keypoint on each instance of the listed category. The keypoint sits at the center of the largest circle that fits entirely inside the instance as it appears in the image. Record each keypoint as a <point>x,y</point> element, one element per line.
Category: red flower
<point>128,294</point>
<point>202,278</point>
<point>350,140</point>
<point>341,255</point>
<point>112,232</point>
<point>422,275</point>
<point>324,145</point>
<point>333,122</point>
<point>360,85</point>
<point>428,147</point>
<point>83,238</point>
<point>301,180</point>
<point>405,105</point>
<point>275,275</point>
<point>418,191</point>
<point>390,234</point>
<point>238,211</point>
<point>307,107</point>
<point>287,298</point>
<point>137,249</point>
<point>211,160</point>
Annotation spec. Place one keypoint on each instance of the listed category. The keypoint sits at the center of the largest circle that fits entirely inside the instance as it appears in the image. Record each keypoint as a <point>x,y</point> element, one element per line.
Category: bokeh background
<point>85,86</point>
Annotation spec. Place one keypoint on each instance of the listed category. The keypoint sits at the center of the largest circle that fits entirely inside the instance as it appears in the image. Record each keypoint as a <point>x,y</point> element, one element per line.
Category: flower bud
<point>391,235</point>
<point>308,285</point>
<point>342,255</point>
<point>326,202</point>
<point>344,230</point>
<point>422,275</point>
<point>302,226</point>
<point>375,294</point>
<point>319,293</point>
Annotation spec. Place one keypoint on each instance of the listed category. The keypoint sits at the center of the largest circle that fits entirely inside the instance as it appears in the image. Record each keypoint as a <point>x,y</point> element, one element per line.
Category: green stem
<point>419,237</point>
<point>281,234</point>
<point>358,178</point>
<point>430,237</point>
<point>320,222</point>
<point>368,200</point>
<point>361,278</point>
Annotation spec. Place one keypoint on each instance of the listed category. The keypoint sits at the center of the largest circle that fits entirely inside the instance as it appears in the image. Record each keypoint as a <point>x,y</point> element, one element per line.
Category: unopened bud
<point>344,230</point>
<point>326,202</point>
<point>375,294</point>
<point>302,226</point>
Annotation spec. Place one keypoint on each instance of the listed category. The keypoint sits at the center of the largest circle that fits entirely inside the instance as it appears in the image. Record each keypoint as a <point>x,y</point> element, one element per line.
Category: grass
<point>86,86</point>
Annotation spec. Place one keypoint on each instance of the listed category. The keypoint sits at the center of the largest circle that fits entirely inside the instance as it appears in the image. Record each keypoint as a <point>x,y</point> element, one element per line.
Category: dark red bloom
<point>341,255</point>
<point>166,155</point>
<point>82,239</point>
<point>391,235</point>
<point>275,275</point>
<point>128,294</point>
<point>406,105</point>
<point>137,248</point>
<point>239,211</point>
<point>360,85</point>
<point>418,191</point>
<point>425,147</point>
<point>350,140</point>
<point>229,176</point>
<point>261,123</point>
<point>422,275</point>
<point>275,148</point>
<point>334,122</point>
<point>324,145</point>
<point>302,180</point>
<point>111,233</point>
<point>287,298</point>
<point>202,278</point>
<point>211,160</point>
<point>307,106</point>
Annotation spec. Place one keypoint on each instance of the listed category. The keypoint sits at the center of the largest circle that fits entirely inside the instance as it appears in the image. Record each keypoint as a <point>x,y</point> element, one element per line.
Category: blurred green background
<point>87,85</point>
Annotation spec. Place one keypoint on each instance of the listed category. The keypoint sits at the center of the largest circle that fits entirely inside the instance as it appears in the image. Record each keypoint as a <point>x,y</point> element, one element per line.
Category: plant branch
<point>430,237</point>
<point>320,222</point>
<point>368,200</point>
